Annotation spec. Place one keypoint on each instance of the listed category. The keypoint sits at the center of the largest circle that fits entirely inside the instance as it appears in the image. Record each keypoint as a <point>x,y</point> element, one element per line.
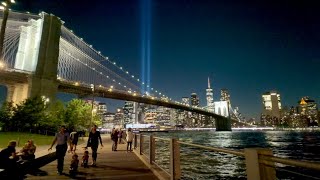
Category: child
<point>85,159</point>
<point>74,165</point>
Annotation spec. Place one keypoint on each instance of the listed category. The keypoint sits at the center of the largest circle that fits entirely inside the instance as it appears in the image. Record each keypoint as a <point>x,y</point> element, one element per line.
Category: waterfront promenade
<point>110,165</point>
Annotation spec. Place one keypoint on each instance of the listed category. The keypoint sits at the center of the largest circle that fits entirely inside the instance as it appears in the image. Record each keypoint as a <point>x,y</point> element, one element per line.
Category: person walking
<point>74,137</point>
<point>129,137</point>
<point>62,139</point>
<point>93,142</point>
<point>114,138</point>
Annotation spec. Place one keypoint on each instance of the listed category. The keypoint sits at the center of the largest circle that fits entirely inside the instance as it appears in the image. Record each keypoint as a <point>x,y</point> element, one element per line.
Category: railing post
<point>256,168</point>
<point>141,144</point>
<point>152,149</point>
<point>175,172</point>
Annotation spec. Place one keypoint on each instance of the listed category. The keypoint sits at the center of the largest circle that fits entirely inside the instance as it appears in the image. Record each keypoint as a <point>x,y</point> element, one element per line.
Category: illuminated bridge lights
<point>2,65</point>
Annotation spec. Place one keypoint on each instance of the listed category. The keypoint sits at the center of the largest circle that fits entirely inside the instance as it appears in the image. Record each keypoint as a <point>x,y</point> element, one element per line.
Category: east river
<point>203,164</point>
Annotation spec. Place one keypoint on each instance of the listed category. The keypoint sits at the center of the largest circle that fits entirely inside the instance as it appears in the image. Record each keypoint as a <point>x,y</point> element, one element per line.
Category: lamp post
<point>92,105</point>
<point>6,5</point>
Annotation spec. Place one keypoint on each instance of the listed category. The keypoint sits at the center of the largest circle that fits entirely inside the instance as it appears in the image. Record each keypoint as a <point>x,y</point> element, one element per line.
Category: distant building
<point>185,100</point>
<point>209,96</point>
<point>271,104</point>
<point>225,96</point>
<point>150,114</point>
<point>129,111</point>
<point>102,108</point>
<point>118,117</point>
<point>163,116</point>
<point>195,100</point>
<point>308,107</point>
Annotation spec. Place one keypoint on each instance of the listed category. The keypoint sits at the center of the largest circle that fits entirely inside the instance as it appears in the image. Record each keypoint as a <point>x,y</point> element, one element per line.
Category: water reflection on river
<point>202,164</point>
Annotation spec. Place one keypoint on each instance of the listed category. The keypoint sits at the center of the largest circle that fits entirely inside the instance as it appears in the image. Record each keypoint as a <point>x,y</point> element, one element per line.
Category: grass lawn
<point>39,140</point>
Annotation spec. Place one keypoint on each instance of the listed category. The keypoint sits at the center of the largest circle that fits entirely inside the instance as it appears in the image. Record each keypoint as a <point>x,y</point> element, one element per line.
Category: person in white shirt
<point>62,139</point>
<point>129,138</point>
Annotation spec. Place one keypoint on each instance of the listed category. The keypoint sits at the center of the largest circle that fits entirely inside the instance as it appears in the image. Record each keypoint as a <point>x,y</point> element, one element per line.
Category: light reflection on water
<point>202,164</point>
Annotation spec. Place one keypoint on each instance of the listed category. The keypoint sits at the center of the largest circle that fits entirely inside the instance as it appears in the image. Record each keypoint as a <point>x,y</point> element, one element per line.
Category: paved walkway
<point>110,165</point>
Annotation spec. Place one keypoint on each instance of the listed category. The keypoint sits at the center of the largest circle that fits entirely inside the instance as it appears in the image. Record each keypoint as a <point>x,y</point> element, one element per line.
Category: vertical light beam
<point>145,44</point>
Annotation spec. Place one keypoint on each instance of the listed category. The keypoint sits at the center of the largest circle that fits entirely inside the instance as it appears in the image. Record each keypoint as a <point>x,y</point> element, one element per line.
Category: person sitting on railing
<point>28,151</point>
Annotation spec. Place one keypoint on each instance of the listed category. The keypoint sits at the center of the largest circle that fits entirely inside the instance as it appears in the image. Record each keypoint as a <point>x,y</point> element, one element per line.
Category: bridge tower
<point>38,53</point>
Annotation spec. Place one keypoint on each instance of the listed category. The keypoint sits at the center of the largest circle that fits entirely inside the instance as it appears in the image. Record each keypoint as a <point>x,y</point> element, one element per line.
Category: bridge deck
<point>110,165</point>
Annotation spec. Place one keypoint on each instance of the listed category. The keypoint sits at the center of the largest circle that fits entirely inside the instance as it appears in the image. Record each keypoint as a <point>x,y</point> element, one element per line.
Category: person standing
<point>62,139</point>
<point>74,137</point>
<point>129,139</point>
<point>93,142</point>
<point>114,138</point>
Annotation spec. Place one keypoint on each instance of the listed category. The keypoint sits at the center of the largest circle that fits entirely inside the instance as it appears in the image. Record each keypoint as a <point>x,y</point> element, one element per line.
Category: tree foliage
<point>34,113</point>
<point>29,114</point>
<point>6,113</point>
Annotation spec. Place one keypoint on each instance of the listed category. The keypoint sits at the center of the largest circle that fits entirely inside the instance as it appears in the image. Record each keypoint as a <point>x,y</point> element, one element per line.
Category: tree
<point>56,115</point>
<point>6,113</point>
<point>77,114</point>
<point>29,114</point>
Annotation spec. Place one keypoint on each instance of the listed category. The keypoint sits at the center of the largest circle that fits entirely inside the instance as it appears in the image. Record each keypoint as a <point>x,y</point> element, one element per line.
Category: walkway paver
<point>110,165</point>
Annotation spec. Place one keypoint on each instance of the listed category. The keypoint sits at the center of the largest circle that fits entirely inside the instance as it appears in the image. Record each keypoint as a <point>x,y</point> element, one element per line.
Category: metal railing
<point>260,164</point>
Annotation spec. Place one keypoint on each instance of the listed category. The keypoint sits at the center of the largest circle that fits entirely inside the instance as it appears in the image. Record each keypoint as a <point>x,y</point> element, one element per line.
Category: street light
<point>92,105</point>
<point>6,5</point>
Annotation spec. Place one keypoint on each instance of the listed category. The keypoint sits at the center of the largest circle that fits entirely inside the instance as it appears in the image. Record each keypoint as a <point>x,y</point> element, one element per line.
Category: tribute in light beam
<point>145,42</point>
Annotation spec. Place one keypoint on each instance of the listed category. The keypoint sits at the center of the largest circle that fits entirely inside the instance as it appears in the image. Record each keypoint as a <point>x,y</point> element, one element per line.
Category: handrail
<point>234,152</point>
<point>259,162</point>
<point>291,162</point>
<point>164,139</point>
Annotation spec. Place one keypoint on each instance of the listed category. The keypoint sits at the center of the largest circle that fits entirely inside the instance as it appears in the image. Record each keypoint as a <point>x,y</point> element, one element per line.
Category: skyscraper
<point>272,104</point>
<point>209,94</point>
<point>129,111</point>
<point>309,108</point>
<point>225,96</point>
<point>194,100</point>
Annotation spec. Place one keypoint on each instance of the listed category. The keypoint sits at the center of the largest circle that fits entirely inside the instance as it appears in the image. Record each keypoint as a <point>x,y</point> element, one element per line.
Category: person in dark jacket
<point>93,142</point>
<point>114,138</point>
<point>8,156</point>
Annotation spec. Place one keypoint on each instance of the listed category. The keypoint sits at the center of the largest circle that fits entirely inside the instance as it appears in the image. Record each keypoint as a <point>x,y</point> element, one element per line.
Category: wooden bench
<point>25,167</point>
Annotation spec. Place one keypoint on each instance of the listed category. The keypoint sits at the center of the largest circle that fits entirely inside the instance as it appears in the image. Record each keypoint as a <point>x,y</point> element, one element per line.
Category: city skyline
<point>244,47</point>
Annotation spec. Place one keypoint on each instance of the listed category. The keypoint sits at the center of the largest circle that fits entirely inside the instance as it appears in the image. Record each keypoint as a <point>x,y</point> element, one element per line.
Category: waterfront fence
<point>260,163</point>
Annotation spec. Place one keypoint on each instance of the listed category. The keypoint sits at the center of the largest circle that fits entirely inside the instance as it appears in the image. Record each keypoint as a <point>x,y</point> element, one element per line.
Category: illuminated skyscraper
<point>272,104</point>
<point>225,96</point>
<point>210,103</point>
<point>308,107</point>
<point>194,100</point>
<point>129,111</point>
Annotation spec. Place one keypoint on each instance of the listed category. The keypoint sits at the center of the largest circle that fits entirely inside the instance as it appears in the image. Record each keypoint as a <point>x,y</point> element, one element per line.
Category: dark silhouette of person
<point>93,142</point>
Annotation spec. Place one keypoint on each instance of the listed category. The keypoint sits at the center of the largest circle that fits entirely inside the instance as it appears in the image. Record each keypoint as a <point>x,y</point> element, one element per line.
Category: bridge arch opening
<point>3,93</point>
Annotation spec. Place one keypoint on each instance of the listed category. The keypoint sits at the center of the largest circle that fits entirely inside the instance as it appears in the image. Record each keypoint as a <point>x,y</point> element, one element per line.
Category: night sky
<point>248,47</point>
